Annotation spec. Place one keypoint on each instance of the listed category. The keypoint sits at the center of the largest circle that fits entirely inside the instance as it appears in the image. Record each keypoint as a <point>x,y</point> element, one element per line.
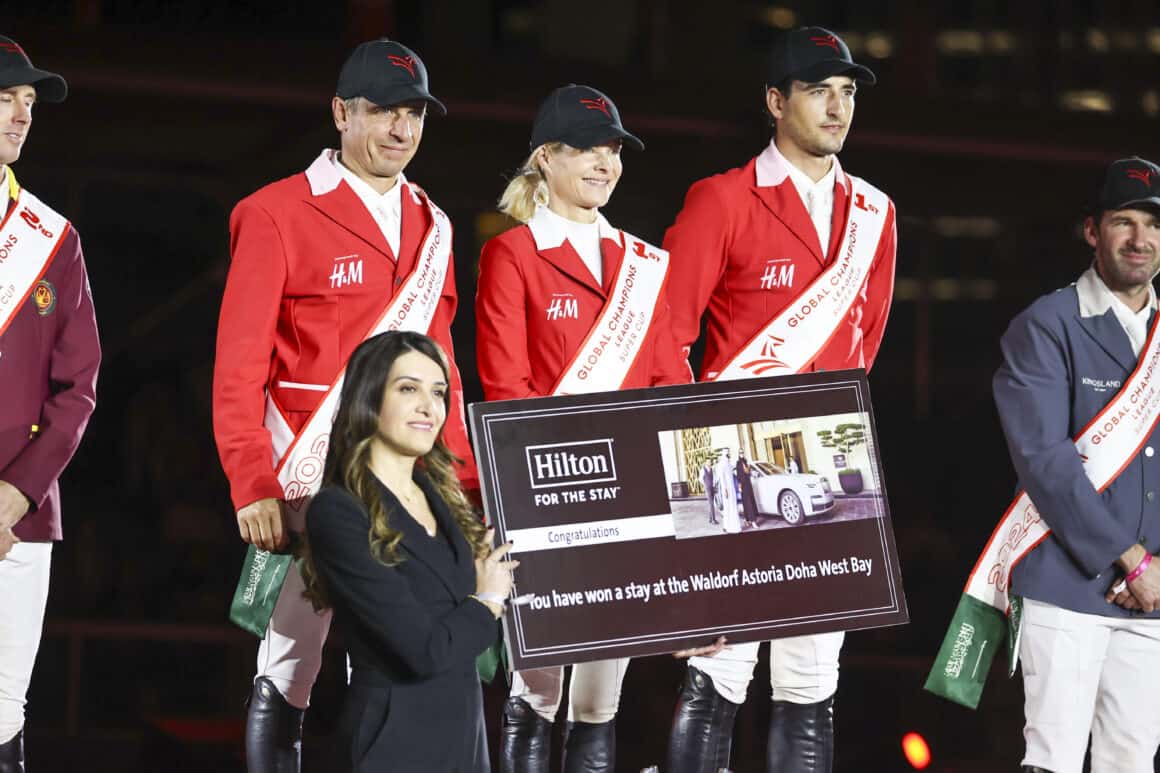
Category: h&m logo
<point>571,464</point>
<point>406,62</point>
<point>827,41</point>
<point>597,104</point>
<point>563,305</point>
<point>348,270</point>
<point>778,273</point>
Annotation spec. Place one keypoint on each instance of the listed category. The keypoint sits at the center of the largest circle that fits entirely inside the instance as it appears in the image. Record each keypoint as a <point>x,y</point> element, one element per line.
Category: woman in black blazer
<point>396,550</point>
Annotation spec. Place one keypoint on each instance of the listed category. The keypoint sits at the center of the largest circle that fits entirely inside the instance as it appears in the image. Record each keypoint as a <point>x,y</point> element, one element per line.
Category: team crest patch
<point>44,296</point>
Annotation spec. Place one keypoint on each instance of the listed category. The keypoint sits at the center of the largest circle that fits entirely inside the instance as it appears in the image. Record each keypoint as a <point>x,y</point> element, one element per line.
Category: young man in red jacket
<point>320,261</point>
<point>791,261</point>
<point>49,355</point>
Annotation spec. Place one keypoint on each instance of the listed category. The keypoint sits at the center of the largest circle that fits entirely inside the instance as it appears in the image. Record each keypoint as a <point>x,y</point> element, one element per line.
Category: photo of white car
<point>791,495</point>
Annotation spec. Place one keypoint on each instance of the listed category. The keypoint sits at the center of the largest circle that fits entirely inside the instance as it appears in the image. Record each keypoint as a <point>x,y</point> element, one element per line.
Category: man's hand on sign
<point>261,524</point>
<point>7,540</point>
<point>708,651</point>
<point>13,505</point>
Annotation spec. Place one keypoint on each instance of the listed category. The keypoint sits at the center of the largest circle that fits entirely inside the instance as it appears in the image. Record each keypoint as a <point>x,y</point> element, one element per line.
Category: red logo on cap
<point>1143,175</point>
<point>824,41</point>
<point>597,104</point>
<point>406,62</point>
<point>13,47</point>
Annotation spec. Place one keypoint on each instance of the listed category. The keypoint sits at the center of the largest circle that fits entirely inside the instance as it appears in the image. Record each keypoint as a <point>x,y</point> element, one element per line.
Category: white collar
<point>773,168</point>
<point>804,184</point>
<point>392,199</point>
<point>1095,298</point>
<point>549,230</point>
<point>324,176</point>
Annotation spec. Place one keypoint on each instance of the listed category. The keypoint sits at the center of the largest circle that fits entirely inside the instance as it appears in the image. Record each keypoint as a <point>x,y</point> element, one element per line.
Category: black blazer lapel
<point>447,523</point>
<point>420,545</point>
<point>1107,331</point>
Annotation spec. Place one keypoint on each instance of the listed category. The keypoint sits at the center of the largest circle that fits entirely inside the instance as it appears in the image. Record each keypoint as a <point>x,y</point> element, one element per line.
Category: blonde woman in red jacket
<point>545,288</point>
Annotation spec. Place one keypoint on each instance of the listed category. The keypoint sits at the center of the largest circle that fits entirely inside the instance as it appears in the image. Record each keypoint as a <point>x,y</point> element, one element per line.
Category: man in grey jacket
<point>1091,592</point>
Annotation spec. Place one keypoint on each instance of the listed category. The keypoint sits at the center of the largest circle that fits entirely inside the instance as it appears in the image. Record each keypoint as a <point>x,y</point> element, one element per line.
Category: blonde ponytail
<point>527,189</point>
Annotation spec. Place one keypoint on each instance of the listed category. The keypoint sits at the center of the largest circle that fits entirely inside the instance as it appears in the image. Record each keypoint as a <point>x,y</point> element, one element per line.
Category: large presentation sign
<point>651,520</point>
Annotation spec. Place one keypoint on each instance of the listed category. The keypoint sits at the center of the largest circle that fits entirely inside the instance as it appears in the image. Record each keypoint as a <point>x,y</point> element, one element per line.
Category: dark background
<point>989,128</point>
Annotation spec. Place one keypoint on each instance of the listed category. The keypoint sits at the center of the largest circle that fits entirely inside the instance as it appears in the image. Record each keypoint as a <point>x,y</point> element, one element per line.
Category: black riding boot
<point>702,733</point>
<point>12,754</point>
<point>801,737</point>
<point>273,731</point>
<point>524,739</point>
<point>590,747</point>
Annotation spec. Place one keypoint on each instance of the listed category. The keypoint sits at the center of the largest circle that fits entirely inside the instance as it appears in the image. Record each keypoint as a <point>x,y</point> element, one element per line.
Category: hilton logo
<point>570,464</point>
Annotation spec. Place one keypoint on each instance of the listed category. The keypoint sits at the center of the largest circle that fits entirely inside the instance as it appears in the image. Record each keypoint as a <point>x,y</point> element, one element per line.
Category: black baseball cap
<point>16,70</point>
<point>580,116</point>
<point>1130,183</point>
<point>386,73</point>
<point>812,54</point>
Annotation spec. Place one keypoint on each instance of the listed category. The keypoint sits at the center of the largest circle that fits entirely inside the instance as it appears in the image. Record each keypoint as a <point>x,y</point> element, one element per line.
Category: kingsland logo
<point>569,464</point>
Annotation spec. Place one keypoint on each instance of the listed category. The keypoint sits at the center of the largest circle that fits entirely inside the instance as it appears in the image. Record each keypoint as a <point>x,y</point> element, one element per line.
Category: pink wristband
<point>1140,568</point>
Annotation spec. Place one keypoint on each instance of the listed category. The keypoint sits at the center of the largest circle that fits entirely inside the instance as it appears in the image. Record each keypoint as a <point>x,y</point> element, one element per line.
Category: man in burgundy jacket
<point>317,260</point>
<point>747,245</point>
<point>49,354</point>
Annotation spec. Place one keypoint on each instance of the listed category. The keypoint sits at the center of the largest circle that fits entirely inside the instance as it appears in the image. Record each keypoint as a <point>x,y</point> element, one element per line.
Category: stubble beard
<point>1128,277</point>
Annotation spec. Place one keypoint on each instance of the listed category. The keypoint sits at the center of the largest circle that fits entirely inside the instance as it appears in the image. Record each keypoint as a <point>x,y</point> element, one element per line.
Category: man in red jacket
<point>321,261</point>
<point>791,260</point>
<point>49,355</point>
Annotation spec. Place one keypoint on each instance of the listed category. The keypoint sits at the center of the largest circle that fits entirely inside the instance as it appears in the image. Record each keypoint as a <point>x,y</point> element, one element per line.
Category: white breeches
<point>593,697</point>
<point>802,669</point>
<point>1089,674</point>
<point>24,577</point>
<point>291,654</point>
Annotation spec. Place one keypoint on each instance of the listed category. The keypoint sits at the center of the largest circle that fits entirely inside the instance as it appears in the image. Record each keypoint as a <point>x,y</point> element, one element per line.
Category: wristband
<point>1140,568</point>
<point>487,598</point>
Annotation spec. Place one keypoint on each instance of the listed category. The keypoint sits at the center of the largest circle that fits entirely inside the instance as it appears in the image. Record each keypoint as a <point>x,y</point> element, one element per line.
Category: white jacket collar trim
<point>548,229</point>
<point>1094,296</point>
<point>322,175</point>
<point>773,168</point>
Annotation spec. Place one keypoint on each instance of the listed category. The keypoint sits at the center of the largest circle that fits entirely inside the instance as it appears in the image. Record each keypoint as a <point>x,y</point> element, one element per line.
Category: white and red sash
<point>299,459</point>
<point>795,337</point>
<point>615,341</point>
<point>1106,445</point>
<point>30,236</point>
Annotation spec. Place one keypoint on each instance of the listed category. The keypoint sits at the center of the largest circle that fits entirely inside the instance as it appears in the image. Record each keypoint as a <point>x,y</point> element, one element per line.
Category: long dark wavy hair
<point>355,427</point>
